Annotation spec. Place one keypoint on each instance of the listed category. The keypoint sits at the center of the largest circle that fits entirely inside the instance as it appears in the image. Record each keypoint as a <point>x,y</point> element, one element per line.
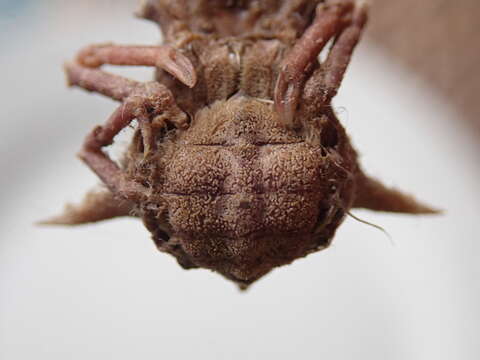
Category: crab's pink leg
<point>139,101</point>
<point>165,57</point>
<point>339,56</point>
<point>295,68</point>
<point>107,170</point>
<point>113,86</point>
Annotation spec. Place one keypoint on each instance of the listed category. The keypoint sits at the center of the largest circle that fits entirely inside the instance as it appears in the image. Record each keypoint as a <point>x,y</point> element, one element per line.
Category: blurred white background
<point>103,291</point>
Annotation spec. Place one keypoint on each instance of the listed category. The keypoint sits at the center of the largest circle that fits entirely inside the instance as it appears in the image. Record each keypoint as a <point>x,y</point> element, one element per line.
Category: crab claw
<point>286,98</point>
<point>165,57</point>
<point>178,65</point>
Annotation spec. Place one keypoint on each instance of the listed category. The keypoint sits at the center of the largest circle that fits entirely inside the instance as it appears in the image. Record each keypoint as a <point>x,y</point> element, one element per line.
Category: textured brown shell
<point>243,194</point>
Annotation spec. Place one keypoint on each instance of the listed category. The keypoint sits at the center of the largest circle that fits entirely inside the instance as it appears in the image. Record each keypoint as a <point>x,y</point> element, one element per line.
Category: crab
<point>238,163</point>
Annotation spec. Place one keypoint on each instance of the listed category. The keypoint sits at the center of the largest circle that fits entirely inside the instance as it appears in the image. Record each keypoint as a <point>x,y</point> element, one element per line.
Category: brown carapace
<point>238,163</point>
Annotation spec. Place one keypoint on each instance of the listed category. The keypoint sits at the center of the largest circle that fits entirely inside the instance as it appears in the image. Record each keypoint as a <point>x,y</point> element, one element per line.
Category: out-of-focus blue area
<point>15,15</point>
<point>14,8</point>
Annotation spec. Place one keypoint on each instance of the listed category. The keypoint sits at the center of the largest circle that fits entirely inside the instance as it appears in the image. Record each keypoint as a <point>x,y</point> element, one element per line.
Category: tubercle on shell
<point>264,172</point>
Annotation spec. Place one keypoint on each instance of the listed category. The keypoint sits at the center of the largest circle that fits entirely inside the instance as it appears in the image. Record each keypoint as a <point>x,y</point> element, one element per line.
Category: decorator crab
<point>238,163</point>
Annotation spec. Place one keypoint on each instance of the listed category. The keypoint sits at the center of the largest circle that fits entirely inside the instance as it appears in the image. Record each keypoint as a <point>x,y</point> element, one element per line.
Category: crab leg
<point>113,86</point>
<point>295,68</point>
<point>339,56</point>
<point>107,170</point>
<point>144,101</point>
<point>165,57</point>
<point>373,195</point>
<point>96,206</point>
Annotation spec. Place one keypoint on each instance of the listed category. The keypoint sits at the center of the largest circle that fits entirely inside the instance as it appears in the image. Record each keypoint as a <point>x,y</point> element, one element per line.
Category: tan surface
<point>440,39</point>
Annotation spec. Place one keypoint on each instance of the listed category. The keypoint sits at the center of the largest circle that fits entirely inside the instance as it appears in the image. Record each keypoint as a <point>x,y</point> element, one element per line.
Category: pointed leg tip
<point>363,5</point>
<point>55,221</point>
<point>286,98</point>
<point>361,13</point>
<point>285,117</point>
<point>406,203</point>
<point>178,65</point>
<point>373,195</point>
<point>42,223</point>
<point>69,216</point>
<point>145,10</point>
<point>68,67</point>
<point>188,78</point>
<point>427,210</point>
<point>96,206</point>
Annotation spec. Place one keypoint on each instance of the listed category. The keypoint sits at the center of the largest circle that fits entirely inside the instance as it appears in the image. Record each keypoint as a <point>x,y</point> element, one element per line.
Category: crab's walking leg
<point>323,84</point>
<point>113,86</point>
<point>107,170</point>
<point>165,57</point>
<point>373,195</point>
<point>97,206</point>
<point>145,101</point>
<point>339,56</point>
<point>295,68</point>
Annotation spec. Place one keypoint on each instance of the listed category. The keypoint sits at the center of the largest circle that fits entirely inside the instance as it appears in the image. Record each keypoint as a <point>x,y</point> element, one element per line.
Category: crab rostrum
<point>238,163</point>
